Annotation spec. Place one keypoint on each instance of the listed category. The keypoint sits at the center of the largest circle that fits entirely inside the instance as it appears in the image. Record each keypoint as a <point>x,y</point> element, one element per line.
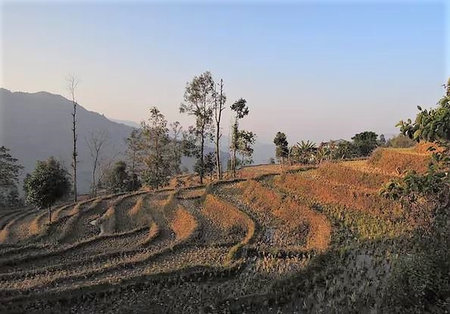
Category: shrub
<point>400,141</point>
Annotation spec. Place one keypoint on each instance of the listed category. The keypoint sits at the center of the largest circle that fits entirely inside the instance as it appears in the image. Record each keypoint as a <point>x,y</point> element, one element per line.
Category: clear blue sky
<point>315,70</point>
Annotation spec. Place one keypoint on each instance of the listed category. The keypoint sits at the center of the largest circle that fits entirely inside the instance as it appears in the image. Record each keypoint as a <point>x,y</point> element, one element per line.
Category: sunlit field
<point>218,157</point>
<point>299,238</point>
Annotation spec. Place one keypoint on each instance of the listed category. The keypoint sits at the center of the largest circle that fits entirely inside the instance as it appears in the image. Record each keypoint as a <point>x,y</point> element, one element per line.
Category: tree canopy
<point>281,146</point>
<point>48,183</point>
<point>200,98</point>
<point>241,140</point>
<point>9,178</point>
<point>117,179</point>
<point>365,142</point>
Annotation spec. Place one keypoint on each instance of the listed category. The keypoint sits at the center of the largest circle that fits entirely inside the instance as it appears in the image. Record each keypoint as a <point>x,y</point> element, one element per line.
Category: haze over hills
<point>36,126</point>
<point>126,122</point>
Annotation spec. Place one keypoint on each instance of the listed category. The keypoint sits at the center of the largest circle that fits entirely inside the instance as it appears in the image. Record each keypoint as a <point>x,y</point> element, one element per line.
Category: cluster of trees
<point>206,103</point>
<point>154,154</point>
<point>156,148</point>
<point>9,179</point>
<point>307,152</point>
<point>48,183</point>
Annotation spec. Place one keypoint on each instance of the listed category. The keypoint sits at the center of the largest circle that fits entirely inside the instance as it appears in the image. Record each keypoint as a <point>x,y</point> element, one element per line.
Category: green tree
<point>382,140</point>
<point>365,142</point>
<point>157,150</point>
<point>281,147</point>
<point>344,150</point>
<point>241,110</point>
<point>246,140</point>
<point>431,125</point>
<point>48,183</point>
<point>199,99</point>
<point>425,274</point>
<point>134,153</point>
<point>9,178</point>
<point>117,178</point>
<point>209,166</point>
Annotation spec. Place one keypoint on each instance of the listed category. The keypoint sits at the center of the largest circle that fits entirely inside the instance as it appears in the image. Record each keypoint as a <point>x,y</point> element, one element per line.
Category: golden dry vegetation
<point>286,240</point>
<point>399,160</point>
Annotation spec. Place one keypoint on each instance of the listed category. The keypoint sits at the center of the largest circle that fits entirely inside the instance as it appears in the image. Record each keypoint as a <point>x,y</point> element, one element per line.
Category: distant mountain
<point>36,126</point>
<point>261,154</point>
<point>126,122</point>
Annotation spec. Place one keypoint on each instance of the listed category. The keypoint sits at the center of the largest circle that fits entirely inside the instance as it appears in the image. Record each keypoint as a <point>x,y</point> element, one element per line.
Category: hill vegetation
<point>306,239</point>
<point>352,226</point>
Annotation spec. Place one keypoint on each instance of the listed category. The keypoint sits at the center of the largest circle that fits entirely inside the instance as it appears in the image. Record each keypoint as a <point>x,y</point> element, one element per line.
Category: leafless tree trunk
<point>202,157</point>
<point>234,140</point>
<point>219,106</point>
<point>72,85</point>
<point>95,143</point>
<point>177,130</point>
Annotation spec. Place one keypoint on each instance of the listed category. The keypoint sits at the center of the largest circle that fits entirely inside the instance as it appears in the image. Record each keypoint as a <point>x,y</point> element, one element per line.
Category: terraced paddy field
<point>306,240</point>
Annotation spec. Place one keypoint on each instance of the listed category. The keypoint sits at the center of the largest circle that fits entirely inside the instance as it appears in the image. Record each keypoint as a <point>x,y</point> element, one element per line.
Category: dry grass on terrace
<point>192,193</point>
<point>354,173</point>
<point>108,221</point>
<point>38,224</point>
<point>183,223</point>
<point>247,172</point>
<point>187,180</point>
<point>399,160</point>
<point>137,206</point>
<point>299,219</point>
<point>252,172</point>
<point>314,186</point>
<point>224,215</point>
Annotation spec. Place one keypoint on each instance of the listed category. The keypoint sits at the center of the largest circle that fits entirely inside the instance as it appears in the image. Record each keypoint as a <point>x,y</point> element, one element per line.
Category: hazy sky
<point>315,70</point>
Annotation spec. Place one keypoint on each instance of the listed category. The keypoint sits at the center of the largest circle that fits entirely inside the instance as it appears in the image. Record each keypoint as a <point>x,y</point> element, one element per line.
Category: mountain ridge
<point>38,125</point>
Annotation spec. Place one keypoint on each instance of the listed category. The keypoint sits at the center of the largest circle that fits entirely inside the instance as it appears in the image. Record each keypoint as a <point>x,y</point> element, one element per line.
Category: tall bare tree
<point>72,83</point>
<point>219,106</point>
<point>96,141</point>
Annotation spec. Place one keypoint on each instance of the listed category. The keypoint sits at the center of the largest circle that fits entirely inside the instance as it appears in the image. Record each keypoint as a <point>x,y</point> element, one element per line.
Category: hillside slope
<point>36,126</point>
